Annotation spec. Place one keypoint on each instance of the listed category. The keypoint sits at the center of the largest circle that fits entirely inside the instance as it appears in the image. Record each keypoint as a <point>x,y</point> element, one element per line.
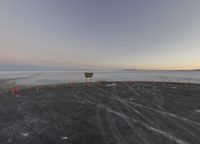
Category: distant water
<point>42,78</point>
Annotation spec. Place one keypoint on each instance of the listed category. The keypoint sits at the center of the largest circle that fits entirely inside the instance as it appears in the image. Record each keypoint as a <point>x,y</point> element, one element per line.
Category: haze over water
<point>43,78</point>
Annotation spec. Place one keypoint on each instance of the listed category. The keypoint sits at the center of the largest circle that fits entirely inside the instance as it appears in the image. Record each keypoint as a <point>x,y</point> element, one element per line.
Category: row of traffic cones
<point>15,90</point>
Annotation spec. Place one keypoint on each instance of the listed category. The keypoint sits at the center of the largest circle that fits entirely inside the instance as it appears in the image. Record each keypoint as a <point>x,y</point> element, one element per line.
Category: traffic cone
<point>37,88</point>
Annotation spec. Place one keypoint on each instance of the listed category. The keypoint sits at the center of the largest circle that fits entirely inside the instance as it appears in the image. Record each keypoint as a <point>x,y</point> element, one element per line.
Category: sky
<point>110,34</point>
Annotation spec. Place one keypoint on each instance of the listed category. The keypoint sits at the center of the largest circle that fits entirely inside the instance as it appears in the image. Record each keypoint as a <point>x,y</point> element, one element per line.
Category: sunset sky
<point>114,34</point>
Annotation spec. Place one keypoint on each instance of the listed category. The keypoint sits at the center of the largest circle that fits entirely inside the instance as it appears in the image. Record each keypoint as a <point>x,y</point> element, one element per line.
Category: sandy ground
<point>102,113</point>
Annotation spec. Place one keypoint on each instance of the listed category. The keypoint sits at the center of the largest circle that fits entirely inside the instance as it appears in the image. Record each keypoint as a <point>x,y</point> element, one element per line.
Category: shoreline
<point>8,81</point>
<point>5,86</point>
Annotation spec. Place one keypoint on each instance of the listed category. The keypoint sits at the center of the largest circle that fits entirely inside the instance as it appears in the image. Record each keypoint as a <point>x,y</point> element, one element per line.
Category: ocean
<point>58,77</point>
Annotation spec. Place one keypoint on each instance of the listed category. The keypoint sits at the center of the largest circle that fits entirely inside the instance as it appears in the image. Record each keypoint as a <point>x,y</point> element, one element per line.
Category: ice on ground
<point>111,85</point>
<point>25,134</point>
<point>64,138</point>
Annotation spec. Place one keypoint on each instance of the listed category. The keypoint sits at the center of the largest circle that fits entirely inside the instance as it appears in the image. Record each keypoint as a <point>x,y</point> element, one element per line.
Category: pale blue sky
<point>147,34</point>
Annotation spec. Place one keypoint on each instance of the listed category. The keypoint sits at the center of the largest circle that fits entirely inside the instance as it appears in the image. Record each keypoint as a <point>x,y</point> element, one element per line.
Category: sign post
<point>88,75</point>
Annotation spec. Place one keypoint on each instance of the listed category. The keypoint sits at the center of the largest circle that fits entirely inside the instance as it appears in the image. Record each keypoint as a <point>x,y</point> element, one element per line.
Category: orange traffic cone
<point>12,91</point>
<point>37,88</point>
<point>17,89</point>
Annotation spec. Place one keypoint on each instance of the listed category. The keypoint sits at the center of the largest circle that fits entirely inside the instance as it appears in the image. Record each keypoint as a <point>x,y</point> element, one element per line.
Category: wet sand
<point>102,113</point>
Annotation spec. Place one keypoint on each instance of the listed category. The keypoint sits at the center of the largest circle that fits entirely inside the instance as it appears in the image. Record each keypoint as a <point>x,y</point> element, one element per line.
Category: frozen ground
<point>102,113</point>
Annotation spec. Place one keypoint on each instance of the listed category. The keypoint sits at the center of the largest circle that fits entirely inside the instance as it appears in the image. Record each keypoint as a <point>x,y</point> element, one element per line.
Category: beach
<point>102,113</point>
